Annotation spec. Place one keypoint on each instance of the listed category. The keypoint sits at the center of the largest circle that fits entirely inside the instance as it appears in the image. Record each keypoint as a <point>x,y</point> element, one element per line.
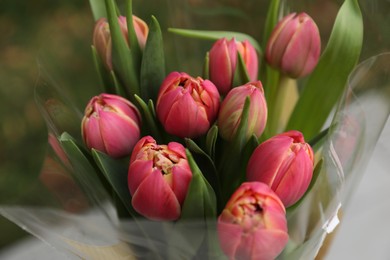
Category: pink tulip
<point>294,46</point>
<point>187,106</point>
<point>102,36</point>
<point>158,179</point>
<point>229,116</point>
<point>285,163</point>
<point>253,224</point>
<point>223,61</point>
<point>111,124</point>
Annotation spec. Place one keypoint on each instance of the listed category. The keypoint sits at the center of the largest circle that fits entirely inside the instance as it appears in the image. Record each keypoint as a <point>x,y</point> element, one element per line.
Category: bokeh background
<point>29,29</point>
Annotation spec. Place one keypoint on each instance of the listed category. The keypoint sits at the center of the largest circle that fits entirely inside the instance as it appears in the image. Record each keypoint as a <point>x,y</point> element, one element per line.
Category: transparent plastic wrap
<point>75,214</point>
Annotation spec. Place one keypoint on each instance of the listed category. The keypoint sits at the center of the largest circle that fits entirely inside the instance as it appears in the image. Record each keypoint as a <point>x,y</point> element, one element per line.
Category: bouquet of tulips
<point>235,150</point>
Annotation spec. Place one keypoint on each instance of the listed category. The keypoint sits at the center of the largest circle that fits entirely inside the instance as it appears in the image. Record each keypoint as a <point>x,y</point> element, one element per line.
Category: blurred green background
<point>28,28</point>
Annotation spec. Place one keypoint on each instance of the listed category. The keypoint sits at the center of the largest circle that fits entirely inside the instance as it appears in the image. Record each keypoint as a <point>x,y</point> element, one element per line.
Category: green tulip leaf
<point>198,214</point>
<point>206,67</point>
<point>84,171</point>
<point>124,67</point>
<point>104,78</point>
<point>317,141</point>
<point>271,75</point>
<point>151,108</point>
<point>136,53</point>
<point>206,164</point>
<point>271,20</point>
<point>241,138</point>
<point>200,203</point>
<point>98,9</point>
<point>327,82</point>
<point>241,75</point>
<point>216,35</point>
<point>211,140</point>
<point>148,115</point>
<point>119,90</point>
<point>153,63</point>
<point>116,174</point>
<point>246,154</point>
<point>228,167</point>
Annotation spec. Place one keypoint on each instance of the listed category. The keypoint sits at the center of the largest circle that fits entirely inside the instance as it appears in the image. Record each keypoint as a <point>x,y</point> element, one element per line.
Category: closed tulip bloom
<point>230,113</point>
<point>294,46</point>
<point>158,179</point>
<point>223,59</point>
<point>187,106</point>
<point>102,36</point>
<point>111,124</point>
<point>285,163</point>
<point>253,224</point>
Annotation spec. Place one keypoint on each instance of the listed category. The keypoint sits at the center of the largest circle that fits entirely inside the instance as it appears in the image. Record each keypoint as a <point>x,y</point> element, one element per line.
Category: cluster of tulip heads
<point>252,221</point>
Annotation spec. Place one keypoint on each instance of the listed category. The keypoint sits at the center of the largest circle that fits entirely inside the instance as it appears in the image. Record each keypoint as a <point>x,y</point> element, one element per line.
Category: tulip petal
<point>164,103</point>
<point>155,200</point>
<point>138,171</point>
<point>249,55</point>
<point>284,37</point>
<point>139,145</point>
<point>296,179</point>
<point>181,175</point>
<point>122,106</point>
<point>229,237</point>
<point>221,67</point>
<point>177,148</point>
<point>186,118</point>
<point>92,135</point>
<point>267,244</point>
<point>267,158</point>
<point>120,133</point>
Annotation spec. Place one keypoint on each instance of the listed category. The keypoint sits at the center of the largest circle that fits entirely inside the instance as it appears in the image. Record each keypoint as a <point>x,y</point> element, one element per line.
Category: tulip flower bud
<point>229,116</point>
<point>102,36</point>
<point>223,60</point>
<point>285,163</point>
<point>253,224</point>
<point>187,106</point>
<point>294,46</point>
<point>158,179</point>
<point>111,125</point>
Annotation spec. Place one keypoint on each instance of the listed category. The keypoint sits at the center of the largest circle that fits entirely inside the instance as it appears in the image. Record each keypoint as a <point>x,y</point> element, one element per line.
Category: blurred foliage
<point>30,29</point>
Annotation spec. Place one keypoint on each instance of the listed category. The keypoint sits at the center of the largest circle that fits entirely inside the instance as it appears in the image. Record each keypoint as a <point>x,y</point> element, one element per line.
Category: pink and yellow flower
<point>253,224</point>
<point>102,36</point>
<point>223,60</point>
<point>229,116</point>
<point>294,46</point>
<point>187,106</point>
<point>158,179</point>
<point>285,163</point>
<point>111,124</point>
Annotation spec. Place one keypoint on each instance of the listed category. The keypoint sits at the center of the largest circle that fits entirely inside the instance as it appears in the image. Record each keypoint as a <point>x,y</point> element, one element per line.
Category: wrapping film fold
<point>77,216</point>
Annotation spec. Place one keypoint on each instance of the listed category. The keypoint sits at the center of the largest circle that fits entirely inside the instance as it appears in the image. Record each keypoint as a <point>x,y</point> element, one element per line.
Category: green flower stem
<point>270,91</point>
<point>283,104</point>
<point>149,117</point>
